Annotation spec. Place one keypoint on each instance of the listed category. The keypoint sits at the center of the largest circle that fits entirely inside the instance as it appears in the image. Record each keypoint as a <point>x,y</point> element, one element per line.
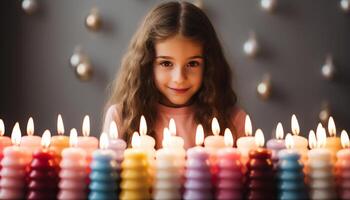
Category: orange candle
<point>60,141</point>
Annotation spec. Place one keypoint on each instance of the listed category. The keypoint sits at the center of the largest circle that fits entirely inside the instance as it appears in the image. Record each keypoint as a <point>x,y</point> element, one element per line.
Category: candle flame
<point>289,141</point>
<point>2,128</point>
<point>172,127</point>
<point>331,127</point>
<point>199,135</point>
<point>86,126</point>
<point>60,126</point>
<point>312,140</point>
<point>30,127</point>
<point>73,137</point>
<point>45,139</point>
<point>143,126</point>
<point>321,137</point>
<point>344,138</point>
<point>295,125</point>
<point>135,140</point>
<point>16,134</point>
<point>259,138</point>
<point>215,127</point>
<point>228,138</point>
<point>113,130</point>
<point>279,131</point>
<point>104,142</point>
<point>248,126</point>
<point>166,137</point>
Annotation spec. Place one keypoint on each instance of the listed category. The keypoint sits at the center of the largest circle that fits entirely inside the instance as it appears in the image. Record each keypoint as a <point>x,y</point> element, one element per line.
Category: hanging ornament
<point>251,46</point>
<point>264,87</point>
<point>268,5</point>
<point>84,70</point>
<point>325,113</point>
<point>93,21</point>
<point>328,69</point>
<point>198,3</point>
<point>29,6</point>
<point>77,57</point>
<point>345,5</point>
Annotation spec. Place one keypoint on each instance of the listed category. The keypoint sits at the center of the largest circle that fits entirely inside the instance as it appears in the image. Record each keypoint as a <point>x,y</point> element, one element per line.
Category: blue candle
<point>290,173</point>
<point>103,175</point>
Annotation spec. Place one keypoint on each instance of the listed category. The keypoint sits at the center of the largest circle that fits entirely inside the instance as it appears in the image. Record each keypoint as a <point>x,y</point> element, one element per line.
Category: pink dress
<point>184,119</point>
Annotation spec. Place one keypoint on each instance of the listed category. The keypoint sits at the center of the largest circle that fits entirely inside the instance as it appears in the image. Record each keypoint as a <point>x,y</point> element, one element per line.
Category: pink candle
<point>16,160</point>
<point>88,143</point>
<point>230,172</point>
<point>4,140</point>
<point>343,167</point>
<point>73,173</point>
<point>31,142</point>
<point>198,177</point>
<point>275,145</point>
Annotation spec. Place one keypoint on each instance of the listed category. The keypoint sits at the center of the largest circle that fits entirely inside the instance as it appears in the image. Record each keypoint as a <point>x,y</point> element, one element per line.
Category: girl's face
<point>178,69</point>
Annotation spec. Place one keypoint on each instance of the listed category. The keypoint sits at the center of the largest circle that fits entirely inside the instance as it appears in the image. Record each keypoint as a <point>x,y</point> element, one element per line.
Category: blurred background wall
<point>36,78</point>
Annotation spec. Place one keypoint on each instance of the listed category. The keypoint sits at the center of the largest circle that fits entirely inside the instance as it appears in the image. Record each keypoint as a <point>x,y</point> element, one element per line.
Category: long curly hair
<point>134,89</point>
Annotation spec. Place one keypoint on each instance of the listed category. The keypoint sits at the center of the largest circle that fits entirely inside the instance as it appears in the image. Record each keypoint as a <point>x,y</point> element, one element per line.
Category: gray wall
<point>36,79</point>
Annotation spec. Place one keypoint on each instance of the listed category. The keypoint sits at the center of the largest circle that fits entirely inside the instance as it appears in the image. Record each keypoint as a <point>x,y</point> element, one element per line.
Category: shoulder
<point>238,116</point>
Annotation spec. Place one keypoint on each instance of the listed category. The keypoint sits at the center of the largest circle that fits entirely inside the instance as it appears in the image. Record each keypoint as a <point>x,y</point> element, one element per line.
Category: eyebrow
<point>169,57</point>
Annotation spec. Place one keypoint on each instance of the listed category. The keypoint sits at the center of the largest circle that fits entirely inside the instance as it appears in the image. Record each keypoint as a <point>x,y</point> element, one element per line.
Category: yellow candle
<point>60,141</point>
<point>135,178</point>
<point>333,143</point>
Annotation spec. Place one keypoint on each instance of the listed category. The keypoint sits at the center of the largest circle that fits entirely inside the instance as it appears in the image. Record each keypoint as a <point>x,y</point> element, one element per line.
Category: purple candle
<point>275,145</point>
<point>230,172</point>
<point>198,183</point>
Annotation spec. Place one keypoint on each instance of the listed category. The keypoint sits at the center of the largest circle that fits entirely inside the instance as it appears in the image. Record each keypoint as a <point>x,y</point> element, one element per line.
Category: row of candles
<point>75,168</point>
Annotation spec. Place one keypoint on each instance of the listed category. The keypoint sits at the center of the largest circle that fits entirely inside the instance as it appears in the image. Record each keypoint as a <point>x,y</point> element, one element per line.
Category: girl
<point>174,68</point>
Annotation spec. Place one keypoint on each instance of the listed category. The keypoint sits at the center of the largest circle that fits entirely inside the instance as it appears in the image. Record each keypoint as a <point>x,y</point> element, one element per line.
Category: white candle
<point>216,141</point>
<point>300,142</point>
<point>247,143</point>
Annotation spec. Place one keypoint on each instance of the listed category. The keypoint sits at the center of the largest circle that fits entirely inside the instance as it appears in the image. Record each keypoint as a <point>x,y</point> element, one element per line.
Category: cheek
<point>159,77</point>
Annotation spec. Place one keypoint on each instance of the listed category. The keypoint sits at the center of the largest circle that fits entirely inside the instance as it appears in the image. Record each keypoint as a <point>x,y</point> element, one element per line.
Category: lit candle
<point>118,146</point>
<point>198,183</point>
<point>135,177</point>
<point>175,141</point>
<point>290,173</point>
<point>276,145</point>
<point>230,172</point>
<point>333,142</point>
<point>103,175</point>
<point>169,170</point>
<point>320,175</point>
<point>214,142</point>
<point>73,173</point>
<point>247,143</point>
<point>31,141</point>
<point>300,142</point>
<point>14,164</point>
<point>261,177</point>
<point>43,172</point>
<point>86,142</point>
<point>343,167</point>
<point>60,141</point>
<point>147,144</point>
<point>5,141</point>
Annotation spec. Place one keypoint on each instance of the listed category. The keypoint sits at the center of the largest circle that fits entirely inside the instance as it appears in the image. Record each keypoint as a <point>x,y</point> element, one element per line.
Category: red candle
<point>43,173</point>
<point>260,176</point>
<point>4,140</point>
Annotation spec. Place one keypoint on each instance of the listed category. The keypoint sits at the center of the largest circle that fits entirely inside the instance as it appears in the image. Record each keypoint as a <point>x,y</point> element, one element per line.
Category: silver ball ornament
<point>325,113</point>
<point>77,57</point>
<point>29,6</point>
<point>264,88</point>
<point>93,21</point>
<point>328,69</point>
<point>268,5</point>
<point>251,46</point>
<point>345,5</point>
<point>84,71</point>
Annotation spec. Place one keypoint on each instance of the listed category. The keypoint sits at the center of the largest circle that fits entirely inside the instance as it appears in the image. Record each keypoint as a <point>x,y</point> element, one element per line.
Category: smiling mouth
<point>179,90</point>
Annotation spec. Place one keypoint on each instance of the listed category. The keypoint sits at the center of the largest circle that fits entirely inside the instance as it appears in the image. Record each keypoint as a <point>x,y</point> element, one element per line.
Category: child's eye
<point>193,64</point>
<point>166,64</point>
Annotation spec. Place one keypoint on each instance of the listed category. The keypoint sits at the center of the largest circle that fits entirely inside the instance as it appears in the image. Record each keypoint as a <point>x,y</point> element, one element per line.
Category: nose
<point>179,74</point>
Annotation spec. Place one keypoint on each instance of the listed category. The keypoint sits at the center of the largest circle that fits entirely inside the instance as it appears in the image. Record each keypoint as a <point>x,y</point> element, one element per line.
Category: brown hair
<point>134,89</point>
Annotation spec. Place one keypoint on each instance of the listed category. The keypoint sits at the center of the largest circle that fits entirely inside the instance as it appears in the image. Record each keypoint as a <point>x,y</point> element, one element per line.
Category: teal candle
<point>103,174</point>
<point>290,173</point>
